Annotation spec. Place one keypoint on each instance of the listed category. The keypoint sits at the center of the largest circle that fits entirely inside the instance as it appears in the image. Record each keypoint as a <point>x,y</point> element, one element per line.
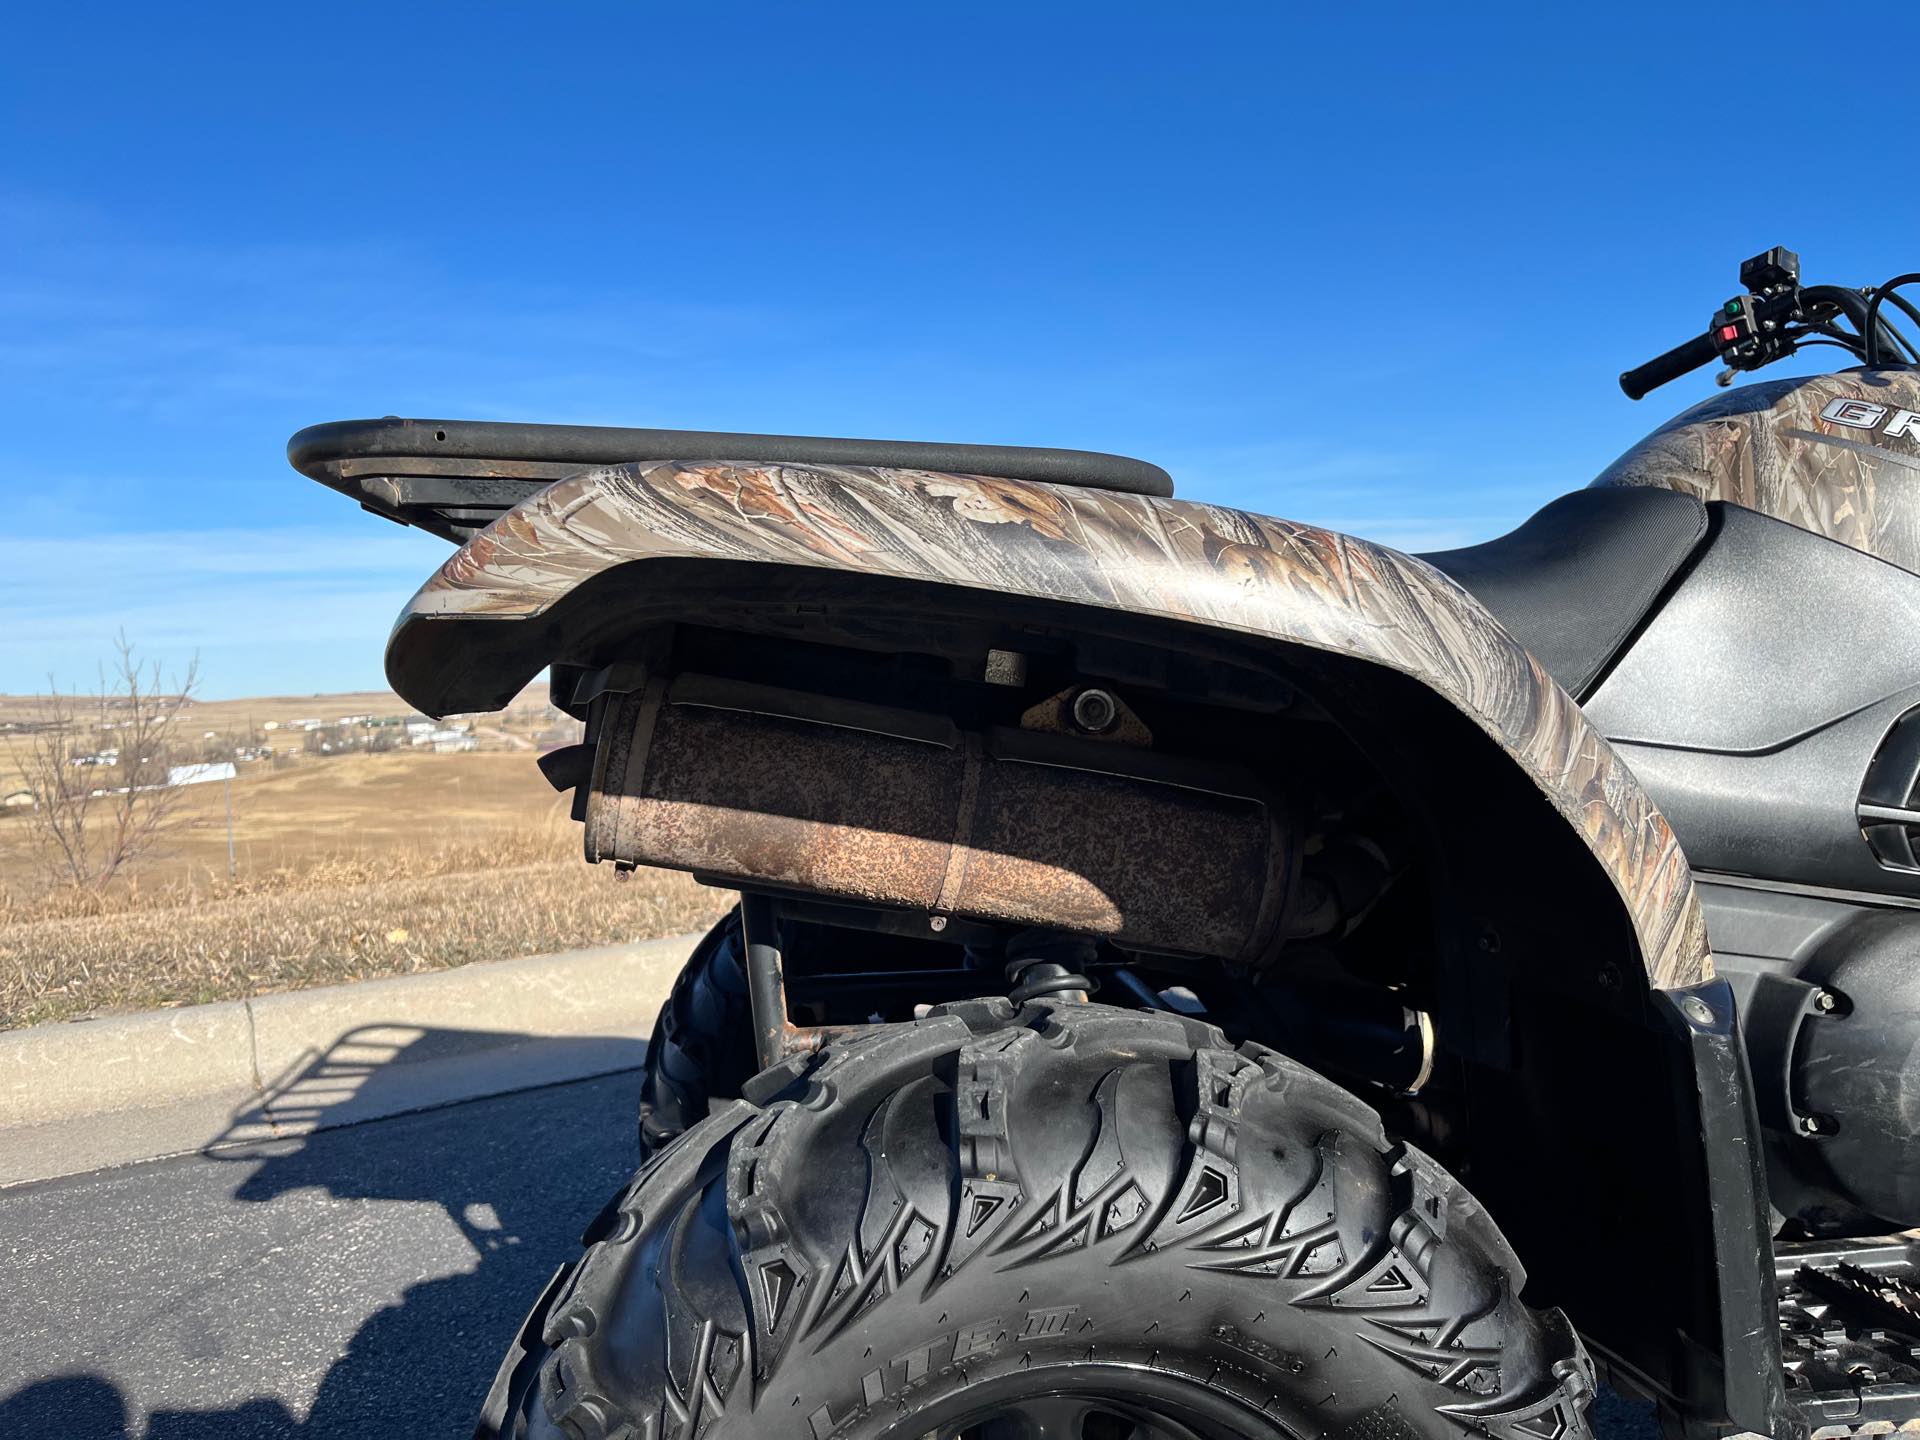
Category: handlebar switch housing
<point>1749,330</point>
<point>1735,328</point>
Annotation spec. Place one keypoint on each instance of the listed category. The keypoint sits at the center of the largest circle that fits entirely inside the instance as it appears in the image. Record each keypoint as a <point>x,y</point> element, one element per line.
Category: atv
<point>1199,975</point>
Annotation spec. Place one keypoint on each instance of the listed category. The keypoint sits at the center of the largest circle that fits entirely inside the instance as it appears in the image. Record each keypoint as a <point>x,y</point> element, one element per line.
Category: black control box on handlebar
<point>1745,333</point>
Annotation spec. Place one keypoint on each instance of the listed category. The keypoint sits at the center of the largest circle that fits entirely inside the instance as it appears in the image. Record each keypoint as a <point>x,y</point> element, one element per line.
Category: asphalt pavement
<point>355,1282</point>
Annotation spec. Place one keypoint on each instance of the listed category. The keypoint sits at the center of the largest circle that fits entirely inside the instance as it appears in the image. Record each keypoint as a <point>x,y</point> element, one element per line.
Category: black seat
<point>1573,582</point>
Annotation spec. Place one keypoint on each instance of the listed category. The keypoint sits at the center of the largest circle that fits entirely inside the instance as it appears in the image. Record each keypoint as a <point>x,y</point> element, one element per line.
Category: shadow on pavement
<point>520,1183</point>
<point>520,1176</point>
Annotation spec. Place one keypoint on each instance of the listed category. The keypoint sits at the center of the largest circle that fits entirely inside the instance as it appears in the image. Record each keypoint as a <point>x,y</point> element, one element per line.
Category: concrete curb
<point>79,1095</point>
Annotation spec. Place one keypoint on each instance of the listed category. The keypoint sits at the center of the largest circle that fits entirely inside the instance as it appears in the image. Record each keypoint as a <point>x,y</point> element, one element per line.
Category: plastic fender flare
<point>1177,559</point>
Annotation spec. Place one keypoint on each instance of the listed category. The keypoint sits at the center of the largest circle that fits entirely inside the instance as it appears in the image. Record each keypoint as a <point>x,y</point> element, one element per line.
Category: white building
<point>200,774</point>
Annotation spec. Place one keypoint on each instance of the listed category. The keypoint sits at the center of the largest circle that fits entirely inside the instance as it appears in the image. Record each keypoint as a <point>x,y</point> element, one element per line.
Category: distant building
<point>448,742</point>
<point>17,800</point>
<point>200,774</point>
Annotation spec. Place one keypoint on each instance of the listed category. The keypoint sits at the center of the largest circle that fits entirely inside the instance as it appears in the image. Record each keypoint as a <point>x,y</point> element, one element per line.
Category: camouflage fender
<point>1201,564</point>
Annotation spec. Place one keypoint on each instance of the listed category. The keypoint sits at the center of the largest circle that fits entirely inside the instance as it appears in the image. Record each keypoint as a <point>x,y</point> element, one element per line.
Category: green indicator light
<point>1733,307</point>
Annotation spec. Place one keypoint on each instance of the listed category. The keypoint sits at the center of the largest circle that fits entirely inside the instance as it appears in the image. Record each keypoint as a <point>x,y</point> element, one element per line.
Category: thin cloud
<point>264,608</point>
<point>1385,496</point>
<point>124,324</point>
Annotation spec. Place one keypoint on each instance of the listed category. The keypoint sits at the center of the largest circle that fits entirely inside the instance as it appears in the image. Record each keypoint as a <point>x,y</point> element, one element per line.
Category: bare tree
<point>96,766</point>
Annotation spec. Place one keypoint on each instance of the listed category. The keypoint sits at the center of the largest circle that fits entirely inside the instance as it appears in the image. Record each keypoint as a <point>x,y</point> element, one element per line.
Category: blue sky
<point>1375,267</point>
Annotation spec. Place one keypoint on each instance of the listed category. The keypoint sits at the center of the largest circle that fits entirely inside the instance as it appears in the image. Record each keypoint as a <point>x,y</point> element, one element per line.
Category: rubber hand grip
<point>1671,366</point>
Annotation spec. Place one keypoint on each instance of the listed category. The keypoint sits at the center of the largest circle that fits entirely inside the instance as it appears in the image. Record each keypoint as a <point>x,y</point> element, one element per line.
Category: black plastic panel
<point>1774,633</point>
<point>1777,926</point>
<point>1787,814</point>
<point>1895,774</point>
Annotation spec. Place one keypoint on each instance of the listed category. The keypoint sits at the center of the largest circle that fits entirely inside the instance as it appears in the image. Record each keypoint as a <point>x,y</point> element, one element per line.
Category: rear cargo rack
<point>454,477</point>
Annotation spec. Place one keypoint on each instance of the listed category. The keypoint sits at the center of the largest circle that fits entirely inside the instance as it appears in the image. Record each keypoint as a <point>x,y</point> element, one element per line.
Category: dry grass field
<point>347,867</point>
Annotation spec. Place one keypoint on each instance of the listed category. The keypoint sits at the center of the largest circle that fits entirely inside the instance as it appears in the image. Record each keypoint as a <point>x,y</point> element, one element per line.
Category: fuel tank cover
<point>1775,633</point>
<point>1835,454</point>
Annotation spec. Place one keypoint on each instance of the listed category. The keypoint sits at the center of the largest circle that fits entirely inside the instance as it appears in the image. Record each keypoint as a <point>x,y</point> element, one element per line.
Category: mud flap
<point>1751,1376</point>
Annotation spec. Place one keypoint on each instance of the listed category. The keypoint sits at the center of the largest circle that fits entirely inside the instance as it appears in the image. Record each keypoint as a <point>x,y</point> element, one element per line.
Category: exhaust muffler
<point>748,785</point>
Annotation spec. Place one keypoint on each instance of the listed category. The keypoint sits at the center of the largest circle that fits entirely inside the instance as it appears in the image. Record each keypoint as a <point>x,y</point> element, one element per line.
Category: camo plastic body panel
<point>1799,451</point>
<point>1190,562</point>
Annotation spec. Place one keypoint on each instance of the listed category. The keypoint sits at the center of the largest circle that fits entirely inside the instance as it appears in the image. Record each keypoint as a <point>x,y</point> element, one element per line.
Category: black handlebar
<point>1776,316</point>
<point>1701,350</point>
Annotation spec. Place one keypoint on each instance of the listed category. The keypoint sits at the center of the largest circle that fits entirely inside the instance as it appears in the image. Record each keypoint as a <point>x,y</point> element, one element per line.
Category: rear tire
<point>1074,1220</point>
<point>702,1045</point>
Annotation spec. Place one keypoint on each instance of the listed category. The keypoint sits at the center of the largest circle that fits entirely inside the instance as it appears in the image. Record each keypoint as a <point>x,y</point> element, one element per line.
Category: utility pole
<point>231,869</point>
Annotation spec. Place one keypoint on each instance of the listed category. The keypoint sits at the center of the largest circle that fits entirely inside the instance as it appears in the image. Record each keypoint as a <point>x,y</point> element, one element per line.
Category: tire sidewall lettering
<point>916,1366</point>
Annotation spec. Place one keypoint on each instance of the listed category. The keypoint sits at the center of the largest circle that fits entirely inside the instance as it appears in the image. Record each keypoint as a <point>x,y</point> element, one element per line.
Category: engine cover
<point>1856,1067</point>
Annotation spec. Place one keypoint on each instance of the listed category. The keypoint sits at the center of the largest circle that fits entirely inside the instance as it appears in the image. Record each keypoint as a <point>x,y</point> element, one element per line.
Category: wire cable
<point>1844,339</point>
<point>1871,329</point>
<point>1913,314</point>
<point>1848,345</point>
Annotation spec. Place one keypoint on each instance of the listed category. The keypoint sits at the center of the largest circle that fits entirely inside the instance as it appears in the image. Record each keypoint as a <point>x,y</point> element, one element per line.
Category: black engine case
<point>1830,1006</point>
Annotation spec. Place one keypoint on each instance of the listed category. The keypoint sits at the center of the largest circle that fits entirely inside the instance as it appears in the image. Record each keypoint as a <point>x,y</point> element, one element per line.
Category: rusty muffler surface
<point>749,785</point>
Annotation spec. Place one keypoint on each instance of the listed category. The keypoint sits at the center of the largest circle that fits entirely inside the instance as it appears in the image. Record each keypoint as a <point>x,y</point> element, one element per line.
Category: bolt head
<point>1095,710</point>
<point>1697,1010</point>
<point>1826,1002</point>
